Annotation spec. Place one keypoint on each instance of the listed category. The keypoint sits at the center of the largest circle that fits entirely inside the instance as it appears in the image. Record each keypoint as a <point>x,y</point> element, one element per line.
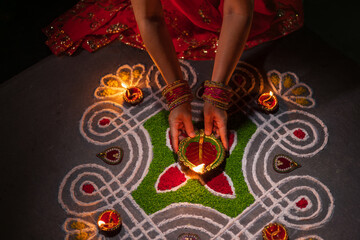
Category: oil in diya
<point>133,95</point>
<point>109,222</point>
<point>201,153</point>
<point>268,102</point>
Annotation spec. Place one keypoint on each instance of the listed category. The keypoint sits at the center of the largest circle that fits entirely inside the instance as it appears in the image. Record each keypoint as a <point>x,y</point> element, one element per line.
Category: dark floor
<point>22,42</point>
<point>48,146</point>
<point>41,108</point>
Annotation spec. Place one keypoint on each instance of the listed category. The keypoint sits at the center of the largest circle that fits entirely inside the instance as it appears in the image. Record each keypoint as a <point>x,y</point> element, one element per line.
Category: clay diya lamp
<point>111,155</point>
<point>109,222</point>
<point>133,95</point>
<point>188,236</point>
<point>268,102</point>
<point>284,164</point>
<point>201,153</point>
<point>275,231</point>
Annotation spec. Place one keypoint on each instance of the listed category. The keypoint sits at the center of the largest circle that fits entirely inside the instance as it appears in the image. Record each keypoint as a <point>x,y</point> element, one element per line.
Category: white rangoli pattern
<point>275,194</point>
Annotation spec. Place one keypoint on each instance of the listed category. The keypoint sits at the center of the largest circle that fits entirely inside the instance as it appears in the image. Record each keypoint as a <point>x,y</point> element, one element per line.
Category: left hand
<point>180,119</point>
<point>215,120</point>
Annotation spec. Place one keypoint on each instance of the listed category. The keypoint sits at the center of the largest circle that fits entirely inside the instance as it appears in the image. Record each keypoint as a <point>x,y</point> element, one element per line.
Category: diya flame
<point>199,168</point>
<point>100,223</point>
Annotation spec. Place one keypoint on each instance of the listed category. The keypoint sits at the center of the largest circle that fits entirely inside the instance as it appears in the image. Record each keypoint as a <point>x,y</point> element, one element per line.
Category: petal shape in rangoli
<point>113,85</point>
<point>221,185</point>
<point>171,179</point>
<point>79,229</point>
<point>287,86</point>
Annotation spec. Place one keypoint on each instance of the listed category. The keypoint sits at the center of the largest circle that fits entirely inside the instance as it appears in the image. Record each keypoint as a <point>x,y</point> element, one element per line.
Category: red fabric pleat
<point>194,25</point>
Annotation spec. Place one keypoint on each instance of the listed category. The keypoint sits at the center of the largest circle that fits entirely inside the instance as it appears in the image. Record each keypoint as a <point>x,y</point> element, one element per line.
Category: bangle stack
<point>217,94</point>
<point>177,93</point>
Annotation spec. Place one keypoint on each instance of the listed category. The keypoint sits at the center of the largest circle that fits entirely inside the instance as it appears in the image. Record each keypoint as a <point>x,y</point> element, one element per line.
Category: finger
<point>174,133</point>
<point>208,122</point>
<point>224,138</point>
<point>189,127</point>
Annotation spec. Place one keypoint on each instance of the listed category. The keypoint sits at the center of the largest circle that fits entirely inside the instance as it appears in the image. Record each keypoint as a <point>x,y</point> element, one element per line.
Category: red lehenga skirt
<point>193,24</point>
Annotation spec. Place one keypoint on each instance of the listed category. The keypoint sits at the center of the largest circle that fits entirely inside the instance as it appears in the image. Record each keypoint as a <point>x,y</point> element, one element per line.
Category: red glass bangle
<point>177,93</point>
<point>217,94</point>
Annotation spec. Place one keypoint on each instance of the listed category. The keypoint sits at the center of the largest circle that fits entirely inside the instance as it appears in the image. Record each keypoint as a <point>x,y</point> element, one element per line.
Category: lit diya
<point>109,221</point>
<point>201,153</point>
<point>188,236</point>
<point>268,102</point>
<point>133,95</point>
<point>275,231</point>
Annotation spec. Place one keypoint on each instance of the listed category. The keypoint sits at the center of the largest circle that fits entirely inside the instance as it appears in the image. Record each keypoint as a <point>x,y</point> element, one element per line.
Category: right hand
<point>215,120</point>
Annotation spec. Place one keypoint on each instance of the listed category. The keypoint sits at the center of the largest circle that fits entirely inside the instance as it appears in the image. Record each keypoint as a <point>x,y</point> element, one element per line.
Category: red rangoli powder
<point>220,184</point>
<point>302,203</point>
<point>299,134</point>
<point>171,178</point>
<point>104,122</point>
<point>88,188</point>
<point>231,137</point>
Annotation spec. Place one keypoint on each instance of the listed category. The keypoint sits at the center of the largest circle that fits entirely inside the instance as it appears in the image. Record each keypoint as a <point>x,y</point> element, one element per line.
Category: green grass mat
<point>193,192</point>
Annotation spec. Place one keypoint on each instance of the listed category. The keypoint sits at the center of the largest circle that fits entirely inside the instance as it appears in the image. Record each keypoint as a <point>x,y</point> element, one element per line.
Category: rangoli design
<point>287,85</point>
<point>173,178</point>
<point>297,201</point>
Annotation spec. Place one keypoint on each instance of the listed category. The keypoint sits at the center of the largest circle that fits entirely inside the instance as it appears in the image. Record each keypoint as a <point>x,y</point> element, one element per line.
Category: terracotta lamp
<point>133,95</point>
<point>109,221</point>
<point>201,153</point>
<point>275,231</point>
<point>268,102</point>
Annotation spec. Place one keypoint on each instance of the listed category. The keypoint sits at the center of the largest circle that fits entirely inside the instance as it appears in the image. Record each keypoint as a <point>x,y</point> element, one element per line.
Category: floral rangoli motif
<point>287,85</point>
<point>114,85</point>
<point>173,178</point>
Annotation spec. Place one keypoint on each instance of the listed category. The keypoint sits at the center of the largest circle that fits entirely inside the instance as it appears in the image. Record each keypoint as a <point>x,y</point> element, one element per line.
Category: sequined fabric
<point>193,24</point>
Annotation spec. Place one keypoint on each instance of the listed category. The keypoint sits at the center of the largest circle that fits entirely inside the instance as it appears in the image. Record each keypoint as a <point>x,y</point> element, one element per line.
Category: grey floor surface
<point>40,111</point>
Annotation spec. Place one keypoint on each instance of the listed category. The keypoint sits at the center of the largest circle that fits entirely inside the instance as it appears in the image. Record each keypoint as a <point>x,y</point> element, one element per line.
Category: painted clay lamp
<point>275,231</point>
<point>133,95</point>
<point>111,155</point>
<point>284,164</point>
<point>201,153</point>
<point>188,236</point>
<point>268,102</point>
<point>109,221</point>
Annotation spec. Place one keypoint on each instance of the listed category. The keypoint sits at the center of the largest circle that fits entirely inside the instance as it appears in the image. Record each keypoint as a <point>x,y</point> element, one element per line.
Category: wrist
<point>177,93</point>
<point>217,94</point>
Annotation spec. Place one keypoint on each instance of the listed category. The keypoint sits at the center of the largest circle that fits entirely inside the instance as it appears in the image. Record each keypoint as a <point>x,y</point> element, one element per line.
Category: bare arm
<point>234,32</point>
<point>150,19</point>
<point>233,35</point>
